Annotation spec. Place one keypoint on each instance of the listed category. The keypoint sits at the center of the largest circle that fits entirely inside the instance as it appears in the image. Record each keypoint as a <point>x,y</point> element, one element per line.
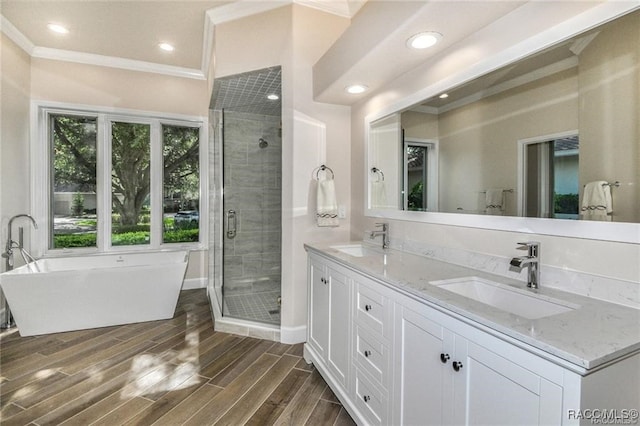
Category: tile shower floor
<point>259,306</point>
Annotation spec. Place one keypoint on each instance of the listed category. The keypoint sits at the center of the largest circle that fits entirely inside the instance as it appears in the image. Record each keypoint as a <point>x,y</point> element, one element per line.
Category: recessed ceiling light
<point>273,97</point>
<point>166,47</point>
<point>57,28</point>
<point>423,40</point>
<point>354,89</point>
<point>444,96</point>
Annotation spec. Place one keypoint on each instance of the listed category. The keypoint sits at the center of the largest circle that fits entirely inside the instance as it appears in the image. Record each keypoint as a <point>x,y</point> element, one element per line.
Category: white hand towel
<point>327,206</point>
<point>596,201</point>
<point>378,194</point>
<point>494,200</point>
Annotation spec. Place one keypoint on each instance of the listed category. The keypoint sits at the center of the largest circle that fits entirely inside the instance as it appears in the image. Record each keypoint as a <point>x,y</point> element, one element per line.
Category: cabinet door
<point>338,321</point>
<point>318,307</point>
<point>423,352</point>
<point>490,389</point>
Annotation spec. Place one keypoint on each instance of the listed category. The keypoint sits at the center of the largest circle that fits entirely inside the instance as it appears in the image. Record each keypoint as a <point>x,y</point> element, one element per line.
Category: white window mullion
<point>155,193</point>
<point>204,182</point>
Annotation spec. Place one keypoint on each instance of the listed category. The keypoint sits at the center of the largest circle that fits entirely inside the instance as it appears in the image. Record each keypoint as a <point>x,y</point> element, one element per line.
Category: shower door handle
<point>231,224</point>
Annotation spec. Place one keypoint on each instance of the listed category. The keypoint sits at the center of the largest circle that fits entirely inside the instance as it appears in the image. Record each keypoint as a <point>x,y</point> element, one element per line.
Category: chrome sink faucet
<point>531,261</point>
<point>384,232</point>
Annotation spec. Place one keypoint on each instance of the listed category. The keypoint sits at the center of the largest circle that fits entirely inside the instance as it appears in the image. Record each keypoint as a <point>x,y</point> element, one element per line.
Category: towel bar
<point>609,184</point>
<point>504,190</point>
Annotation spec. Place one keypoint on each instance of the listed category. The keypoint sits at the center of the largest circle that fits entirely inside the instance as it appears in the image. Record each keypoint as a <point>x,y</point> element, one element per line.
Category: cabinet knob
<point>366,398</point>
<point>457,365</point>
<point>444,358</point>
<point>367,353</point>
<point>323,280</point>
<point>367,308</point>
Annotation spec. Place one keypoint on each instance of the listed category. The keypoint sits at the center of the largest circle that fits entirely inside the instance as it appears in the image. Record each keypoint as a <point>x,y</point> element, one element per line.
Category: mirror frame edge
<point>622,232</point>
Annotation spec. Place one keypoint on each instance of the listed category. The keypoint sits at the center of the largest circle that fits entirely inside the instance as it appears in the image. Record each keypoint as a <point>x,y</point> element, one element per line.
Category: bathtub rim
<point>20,270</point>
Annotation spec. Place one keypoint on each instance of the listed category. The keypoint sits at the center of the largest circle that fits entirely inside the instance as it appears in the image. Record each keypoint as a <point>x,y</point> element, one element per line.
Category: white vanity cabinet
<point>329,334</point>
<point>395,359</point>
<point>442,378</point>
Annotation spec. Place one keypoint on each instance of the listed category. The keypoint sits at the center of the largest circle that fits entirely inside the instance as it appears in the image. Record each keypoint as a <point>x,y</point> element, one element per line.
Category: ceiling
<point>126,33</point>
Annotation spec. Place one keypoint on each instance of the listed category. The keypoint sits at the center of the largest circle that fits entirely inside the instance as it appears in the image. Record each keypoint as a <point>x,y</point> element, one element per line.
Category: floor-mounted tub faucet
<point>384,232</point>
<point>531,261</point>
<point>8,254</point>
<point>7,321</point>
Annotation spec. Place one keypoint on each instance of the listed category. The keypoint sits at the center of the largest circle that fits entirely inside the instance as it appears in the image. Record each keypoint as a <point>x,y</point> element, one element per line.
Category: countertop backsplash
<point>612,290</point>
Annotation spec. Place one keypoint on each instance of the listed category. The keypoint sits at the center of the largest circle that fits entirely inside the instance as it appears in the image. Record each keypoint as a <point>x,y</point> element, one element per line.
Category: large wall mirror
<point>555,135</point>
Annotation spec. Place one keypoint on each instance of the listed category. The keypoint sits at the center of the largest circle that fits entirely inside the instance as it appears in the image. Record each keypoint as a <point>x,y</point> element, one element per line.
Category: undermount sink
<point>356,250</point>
<point>506,298</point>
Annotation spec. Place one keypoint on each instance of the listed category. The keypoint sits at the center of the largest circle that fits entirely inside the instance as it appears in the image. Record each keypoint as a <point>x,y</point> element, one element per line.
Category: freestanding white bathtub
<point>75,293</point>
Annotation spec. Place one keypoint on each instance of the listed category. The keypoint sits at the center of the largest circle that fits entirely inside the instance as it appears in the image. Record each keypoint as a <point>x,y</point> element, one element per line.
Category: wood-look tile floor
<point>171,372</point>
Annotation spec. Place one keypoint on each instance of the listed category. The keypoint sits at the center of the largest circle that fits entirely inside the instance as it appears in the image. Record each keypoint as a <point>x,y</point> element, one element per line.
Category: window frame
<point>42,175</point>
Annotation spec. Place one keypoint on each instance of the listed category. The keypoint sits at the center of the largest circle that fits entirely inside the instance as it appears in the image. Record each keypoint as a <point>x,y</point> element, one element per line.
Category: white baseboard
<point>194,283</point>
<point>293,335</point>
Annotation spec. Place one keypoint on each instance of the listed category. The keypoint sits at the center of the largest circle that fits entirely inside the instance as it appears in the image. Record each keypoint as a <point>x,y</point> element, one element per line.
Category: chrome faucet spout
<point>531,261</point>
<point>384,232</point>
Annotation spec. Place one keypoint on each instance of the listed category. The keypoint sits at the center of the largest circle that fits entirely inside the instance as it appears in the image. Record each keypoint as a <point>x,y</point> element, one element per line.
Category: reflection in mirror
<point>420,175</point>
<point>527,139</point>
<point>551,179</point>
<point>384,155</point>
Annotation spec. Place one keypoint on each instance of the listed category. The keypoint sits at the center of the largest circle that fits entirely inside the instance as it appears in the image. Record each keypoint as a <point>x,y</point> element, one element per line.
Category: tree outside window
<point>75,159</point>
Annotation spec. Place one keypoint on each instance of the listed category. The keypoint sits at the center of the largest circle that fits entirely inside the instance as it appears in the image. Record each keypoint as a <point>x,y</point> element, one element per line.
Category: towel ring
<point>377,170</point>
<point>322,169</point>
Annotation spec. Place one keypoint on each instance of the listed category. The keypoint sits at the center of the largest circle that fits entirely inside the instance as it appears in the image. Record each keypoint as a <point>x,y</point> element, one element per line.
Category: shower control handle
<point>231,223</point>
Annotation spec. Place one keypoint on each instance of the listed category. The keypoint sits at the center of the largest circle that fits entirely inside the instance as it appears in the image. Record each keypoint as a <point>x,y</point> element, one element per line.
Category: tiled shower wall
<point>252,187</point>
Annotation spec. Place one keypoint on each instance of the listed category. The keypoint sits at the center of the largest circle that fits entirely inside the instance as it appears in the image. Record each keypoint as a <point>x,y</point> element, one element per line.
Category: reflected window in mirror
<point>550,169</point>
<point>420,163</point>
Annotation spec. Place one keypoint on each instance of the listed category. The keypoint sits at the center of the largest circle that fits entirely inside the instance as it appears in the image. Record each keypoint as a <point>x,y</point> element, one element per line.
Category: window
<point>181,184</point>
<point>73,210</point>
<point>130,183</point>
<point>115,182</point>
<point>420,164</point>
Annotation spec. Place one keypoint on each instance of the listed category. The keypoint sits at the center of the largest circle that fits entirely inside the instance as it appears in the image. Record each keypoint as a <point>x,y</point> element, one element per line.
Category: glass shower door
<point>252,214</point>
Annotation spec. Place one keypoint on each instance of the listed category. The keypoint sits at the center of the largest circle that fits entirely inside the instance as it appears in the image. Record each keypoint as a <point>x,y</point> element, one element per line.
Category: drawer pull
<point>457,365</point>
<point>367,353</point>
<point>444,358</point>
<point>366,398</point>
<point>367,308</point>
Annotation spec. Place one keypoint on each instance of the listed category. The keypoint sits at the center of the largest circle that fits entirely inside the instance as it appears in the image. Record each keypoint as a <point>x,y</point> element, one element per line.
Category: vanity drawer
<point>373,310</point>
<point>370,400</point>
<point>372,356</point>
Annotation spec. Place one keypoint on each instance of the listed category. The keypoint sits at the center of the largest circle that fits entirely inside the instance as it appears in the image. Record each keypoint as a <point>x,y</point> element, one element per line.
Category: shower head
<point>262,143</point>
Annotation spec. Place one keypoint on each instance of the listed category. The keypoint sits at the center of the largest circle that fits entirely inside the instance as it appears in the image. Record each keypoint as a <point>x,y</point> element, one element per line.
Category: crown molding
<point>213,17</point>
<point>343,8</point>
<point>242,9</point>
<point>115,62</point>
<point>15,35</point>
<point>207,45</point>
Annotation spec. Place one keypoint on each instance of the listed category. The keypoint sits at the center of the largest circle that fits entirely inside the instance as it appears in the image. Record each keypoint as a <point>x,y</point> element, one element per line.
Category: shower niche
<point>246,200</point>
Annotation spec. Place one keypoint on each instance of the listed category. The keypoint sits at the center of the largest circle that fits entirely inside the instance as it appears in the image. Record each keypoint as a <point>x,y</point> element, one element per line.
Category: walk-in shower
<point>245,271</point>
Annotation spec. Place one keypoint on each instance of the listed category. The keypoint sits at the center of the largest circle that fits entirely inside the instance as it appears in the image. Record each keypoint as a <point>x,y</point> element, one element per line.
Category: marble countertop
<point>593,334</point>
